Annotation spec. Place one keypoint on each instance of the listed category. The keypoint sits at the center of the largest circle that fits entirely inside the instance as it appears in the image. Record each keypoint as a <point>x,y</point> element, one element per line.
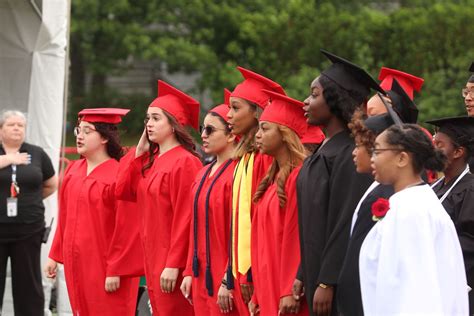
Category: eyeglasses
<point>466,92</point>
<point>209,129</point>
<point>86,130</point>
<point>378,151</point>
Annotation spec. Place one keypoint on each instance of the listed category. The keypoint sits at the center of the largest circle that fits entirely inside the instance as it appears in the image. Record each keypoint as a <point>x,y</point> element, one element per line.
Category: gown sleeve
<point>340,210</point>
<point>180,186</point>
<point>290,255</point>
<point>419,266</point>
<point>128,176</point>
<point>56,251</point>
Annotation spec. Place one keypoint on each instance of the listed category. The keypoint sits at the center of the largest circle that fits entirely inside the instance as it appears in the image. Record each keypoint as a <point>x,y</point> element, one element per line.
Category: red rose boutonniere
<point>379,209</point>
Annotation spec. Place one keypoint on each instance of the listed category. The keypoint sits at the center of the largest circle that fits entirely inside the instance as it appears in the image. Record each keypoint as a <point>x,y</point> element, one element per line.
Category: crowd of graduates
<point>338,205</point>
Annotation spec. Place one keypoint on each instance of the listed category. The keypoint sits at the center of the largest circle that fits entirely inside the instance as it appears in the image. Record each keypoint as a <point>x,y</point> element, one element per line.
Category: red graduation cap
<point>103,115</point>
<point>313,135</point>
<point>251,88</point>
<point>223,109</point>
<point>181,106</point>
<point>406,80</point>
<point>285,111</point>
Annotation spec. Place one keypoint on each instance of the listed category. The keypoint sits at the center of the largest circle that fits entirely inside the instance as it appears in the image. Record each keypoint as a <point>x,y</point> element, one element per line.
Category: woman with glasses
<point>364,130</point>
<point>160,179</point>
<point>26,178</point>
<point>211,195</point>
<point>88,214</point>
<point>411,260</point>
<point>275,255</point>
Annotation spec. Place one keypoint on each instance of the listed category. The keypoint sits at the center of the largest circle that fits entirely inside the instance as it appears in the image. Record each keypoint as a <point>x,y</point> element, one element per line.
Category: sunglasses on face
<point>209,129</point>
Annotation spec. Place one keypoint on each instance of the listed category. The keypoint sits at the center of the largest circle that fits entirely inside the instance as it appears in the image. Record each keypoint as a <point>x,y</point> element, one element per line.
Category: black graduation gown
<point>460,206</point>
<point>328,190</point>
<point>349,299</point>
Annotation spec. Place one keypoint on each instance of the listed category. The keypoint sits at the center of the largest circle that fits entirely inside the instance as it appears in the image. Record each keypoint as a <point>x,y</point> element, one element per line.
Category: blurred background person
<point>468,93</point>
<point>26,177</point>
<point>455,138</point>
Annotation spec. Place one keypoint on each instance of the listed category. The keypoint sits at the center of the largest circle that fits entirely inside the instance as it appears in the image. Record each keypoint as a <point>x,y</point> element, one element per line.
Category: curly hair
<point>412,139</point>
<point>360,131</point>
<point>182,136</point>
<point>341,102</point>
<point>297,155</point>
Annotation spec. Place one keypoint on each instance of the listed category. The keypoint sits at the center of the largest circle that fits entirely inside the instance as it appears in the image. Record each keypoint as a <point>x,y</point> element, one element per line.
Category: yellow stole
<point>242,200</point>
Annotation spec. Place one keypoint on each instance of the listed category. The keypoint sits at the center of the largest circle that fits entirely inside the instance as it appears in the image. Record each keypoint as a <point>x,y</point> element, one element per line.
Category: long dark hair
<point>412,139</point>
<point>110,132</point>
<point>342,103</point>
<point>182,136</point>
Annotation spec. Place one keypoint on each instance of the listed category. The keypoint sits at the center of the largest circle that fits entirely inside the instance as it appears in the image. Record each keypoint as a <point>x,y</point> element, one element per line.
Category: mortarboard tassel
<point>195,265</point>
<point>209,286</point>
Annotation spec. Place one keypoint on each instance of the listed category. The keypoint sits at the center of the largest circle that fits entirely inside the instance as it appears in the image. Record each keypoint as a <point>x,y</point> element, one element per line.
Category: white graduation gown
<point>411,261</point>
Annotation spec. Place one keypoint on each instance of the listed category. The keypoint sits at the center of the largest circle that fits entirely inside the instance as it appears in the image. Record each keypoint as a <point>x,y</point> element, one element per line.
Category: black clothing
<point>30,179</point>
<point>349,298</point>
<point>460,206</point>
<point>328,190</point>
<point>27,287</point>
<point>20,236</point>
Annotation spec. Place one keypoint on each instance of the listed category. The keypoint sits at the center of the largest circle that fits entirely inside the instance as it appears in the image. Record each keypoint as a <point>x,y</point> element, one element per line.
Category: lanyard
<point>466,171</point>
<point>14,188</point>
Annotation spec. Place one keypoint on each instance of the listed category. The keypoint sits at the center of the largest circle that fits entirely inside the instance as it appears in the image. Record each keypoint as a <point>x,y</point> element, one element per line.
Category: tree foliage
<point>280,39</point>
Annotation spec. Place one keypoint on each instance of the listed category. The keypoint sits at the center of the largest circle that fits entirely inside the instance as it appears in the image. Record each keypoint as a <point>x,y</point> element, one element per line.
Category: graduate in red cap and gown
<point>275,257</point>
<point>212,197</point>
<point>160,179</point>
<point>247,102</point>
<point>408,82</point>
<point>89,238</point>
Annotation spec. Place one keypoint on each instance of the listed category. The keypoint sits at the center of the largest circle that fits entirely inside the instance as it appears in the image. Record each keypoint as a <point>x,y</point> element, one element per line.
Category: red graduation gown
<point>83,240</point>
<point>275,252</point>
<point>125,257</point>
<point>164,199</point>
<point>220,210</point>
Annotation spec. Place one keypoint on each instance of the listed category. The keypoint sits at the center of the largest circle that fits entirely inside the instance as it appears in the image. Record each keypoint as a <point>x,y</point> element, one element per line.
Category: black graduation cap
<point>471,69</point>
<point>349,76</point>
<point>402,104</point>
<point>381,122</point>
<point>460,129</point>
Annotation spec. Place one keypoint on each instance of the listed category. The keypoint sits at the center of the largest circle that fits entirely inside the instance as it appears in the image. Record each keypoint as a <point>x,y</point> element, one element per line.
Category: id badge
<point>12,207</point>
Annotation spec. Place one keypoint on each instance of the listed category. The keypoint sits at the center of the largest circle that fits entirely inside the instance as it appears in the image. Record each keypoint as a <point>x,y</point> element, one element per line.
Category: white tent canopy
<point>33,42</point>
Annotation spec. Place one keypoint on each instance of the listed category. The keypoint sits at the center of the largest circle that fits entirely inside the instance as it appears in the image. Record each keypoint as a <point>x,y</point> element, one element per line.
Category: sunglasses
<point>209,129</point>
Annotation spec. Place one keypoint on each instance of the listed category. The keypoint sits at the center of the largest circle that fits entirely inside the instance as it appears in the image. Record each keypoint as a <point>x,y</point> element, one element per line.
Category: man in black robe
<point>328,186</point>
<point>455,190</point>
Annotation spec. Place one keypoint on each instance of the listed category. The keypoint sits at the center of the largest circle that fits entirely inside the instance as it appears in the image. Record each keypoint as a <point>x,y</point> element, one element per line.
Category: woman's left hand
<point>168,279</point>
<point>288,305</point>
<point>112,284</point>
